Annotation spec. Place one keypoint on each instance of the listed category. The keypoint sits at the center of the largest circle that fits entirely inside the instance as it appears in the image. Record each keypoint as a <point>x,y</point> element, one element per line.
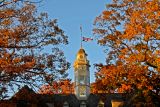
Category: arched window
<point>83,104</point>
<point>82,91</point>
<point>65,104</point>
<point>101,103</point>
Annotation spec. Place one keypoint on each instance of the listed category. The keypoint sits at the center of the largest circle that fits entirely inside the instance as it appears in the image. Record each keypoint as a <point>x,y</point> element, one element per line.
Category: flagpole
<point>81,35</point>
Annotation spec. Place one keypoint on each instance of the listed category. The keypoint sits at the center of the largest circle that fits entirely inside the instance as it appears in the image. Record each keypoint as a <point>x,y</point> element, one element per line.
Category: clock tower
<point>82,75</point>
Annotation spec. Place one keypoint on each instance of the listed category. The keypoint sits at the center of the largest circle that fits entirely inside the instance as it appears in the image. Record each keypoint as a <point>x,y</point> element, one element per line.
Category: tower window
<point>82,80</point>
<point>82,91</point>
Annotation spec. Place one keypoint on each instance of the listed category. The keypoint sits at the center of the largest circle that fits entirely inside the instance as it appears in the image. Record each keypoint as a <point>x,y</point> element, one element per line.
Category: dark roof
<point>94,99</point>
<point>25,94</point>
<point>28,96</point>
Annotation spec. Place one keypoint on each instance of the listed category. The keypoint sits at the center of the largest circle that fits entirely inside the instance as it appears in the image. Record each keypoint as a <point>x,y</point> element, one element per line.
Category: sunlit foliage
<point>29,46</point>
<point>130,30</point>
<point>61,87</point>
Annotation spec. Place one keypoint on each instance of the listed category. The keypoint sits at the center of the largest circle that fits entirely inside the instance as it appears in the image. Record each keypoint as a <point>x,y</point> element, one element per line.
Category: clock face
<point>81,56</point>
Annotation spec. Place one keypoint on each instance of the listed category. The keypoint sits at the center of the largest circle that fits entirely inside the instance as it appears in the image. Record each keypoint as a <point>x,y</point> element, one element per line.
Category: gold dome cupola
<point>81,58</point>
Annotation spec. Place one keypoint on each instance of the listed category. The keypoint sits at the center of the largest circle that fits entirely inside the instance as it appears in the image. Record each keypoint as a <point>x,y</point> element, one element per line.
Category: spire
<point>81,35</point>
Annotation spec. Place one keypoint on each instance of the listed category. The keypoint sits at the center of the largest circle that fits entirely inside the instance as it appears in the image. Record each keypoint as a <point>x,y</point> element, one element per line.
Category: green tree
<point>129,29</point>
<point>25,38</point>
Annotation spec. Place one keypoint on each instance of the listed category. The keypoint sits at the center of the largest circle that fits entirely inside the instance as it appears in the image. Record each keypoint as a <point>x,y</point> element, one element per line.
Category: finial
<point>81,35</point>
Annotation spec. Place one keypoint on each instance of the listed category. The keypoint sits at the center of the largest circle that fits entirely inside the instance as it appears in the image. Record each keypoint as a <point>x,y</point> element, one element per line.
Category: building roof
<point>28,96</point>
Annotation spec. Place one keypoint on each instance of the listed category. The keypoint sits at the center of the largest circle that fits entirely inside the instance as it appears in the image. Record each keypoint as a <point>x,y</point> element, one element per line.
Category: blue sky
<point>71,14</point>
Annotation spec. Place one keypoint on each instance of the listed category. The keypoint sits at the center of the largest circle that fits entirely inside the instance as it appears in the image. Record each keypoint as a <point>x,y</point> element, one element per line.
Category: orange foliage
<point>24,34</point>
<point>133,53</point>
<point>61,87</point>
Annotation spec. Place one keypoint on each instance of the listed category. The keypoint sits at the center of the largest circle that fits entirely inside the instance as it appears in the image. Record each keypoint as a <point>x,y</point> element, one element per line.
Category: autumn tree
<point>130,30</point>
<point>29,47</point>
<point>64,86</point>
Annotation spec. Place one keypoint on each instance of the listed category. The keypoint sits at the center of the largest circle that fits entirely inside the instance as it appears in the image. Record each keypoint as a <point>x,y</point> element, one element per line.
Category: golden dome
<point>81,58</point>
<point>81,51</point>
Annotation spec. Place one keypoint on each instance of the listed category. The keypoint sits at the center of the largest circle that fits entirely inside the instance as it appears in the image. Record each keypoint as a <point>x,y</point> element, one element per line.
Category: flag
<point>86,39</point>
